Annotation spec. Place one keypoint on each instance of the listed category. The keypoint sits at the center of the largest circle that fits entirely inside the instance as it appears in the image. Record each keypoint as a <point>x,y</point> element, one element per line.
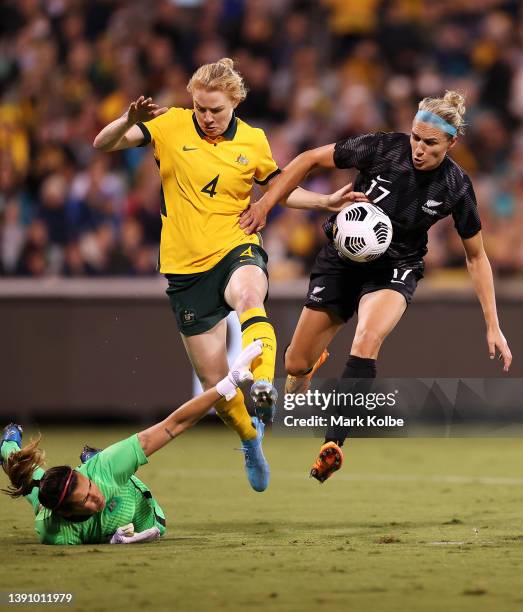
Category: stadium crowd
<point>317,71</point>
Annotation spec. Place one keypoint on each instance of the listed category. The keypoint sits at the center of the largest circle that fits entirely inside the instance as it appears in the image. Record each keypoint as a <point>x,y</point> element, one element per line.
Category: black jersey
<point>413,199</point>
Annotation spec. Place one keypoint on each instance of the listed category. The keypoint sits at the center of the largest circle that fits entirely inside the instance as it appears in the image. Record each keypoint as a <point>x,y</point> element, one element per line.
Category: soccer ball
<point>362,232</point>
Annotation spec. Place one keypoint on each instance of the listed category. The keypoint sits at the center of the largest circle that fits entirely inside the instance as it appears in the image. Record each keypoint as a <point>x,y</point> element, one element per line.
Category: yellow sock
<point>256,325</point>
<point>234,414</point>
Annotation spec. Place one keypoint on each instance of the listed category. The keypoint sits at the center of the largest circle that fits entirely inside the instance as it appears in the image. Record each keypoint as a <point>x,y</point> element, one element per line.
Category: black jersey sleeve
<point>358,152</point>
<point>328,226</point>
<point>465,212</point>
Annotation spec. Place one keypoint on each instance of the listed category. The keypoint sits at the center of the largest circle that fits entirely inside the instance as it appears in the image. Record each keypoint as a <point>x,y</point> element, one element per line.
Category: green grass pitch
<point>408,524</point>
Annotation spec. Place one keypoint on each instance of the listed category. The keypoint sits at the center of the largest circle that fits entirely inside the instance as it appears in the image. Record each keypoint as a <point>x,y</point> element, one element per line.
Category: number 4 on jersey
<point>210,188</point>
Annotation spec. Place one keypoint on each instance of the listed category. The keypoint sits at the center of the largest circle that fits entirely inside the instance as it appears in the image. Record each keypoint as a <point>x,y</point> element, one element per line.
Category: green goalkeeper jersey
<point>127,499</point>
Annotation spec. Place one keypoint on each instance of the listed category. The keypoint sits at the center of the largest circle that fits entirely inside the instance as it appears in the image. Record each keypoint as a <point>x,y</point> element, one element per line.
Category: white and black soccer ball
<point>362,232</point>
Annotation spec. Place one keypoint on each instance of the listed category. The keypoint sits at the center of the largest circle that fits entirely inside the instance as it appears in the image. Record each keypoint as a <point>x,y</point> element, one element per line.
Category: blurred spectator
<point>52,197</point>
<point>35,256</point>
<point>74,264</point>
<point>317,72</point>
<point>123,258</point>
<point>13,237</point>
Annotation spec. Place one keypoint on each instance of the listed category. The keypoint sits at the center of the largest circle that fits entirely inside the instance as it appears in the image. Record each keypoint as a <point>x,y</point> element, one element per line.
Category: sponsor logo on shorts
<point>317,290</point>
<point>429,206</point>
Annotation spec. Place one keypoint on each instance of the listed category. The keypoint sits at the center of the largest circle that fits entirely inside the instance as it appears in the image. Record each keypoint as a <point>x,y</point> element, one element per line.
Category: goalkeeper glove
<point>239,371</point>
<point>126,535</point>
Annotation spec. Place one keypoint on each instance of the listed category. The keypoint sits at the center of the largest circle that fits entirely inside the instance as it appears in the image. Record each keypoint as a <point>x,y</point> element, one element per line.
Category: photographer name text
<point>371,420</point>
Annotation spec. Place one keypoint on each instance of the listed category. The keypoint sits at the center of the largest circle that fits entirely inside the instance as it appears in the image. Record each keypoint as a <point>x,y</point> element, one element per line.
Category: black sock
<point>355,368</point>
<point>359,367</point>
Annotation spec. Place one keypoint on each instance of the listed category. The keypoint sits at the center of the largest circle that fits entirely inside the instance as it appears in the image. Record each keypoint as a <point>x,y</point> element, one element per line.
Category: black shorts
<point>338,286</point>
<point>197,300</point>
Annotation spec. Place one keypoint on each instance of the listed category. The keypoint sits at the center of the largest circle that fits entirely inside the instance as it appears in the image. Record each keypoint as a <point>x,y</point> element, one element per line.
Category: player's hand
<point>127,535</point>
<point>496,340</point>
<point>254,217</point>
<point>343,197</point>
<point>143,109</point>
<point>240,370</point>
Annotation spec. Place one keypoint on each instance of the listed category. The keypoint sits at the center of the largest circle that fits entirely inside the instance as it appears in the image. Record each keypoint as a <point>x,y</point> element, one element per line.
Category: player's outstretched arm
<point>481,274</point>
<point>253,219</point>
<point>123,133</point>
<point>157,436</point>
<point>332,202</point>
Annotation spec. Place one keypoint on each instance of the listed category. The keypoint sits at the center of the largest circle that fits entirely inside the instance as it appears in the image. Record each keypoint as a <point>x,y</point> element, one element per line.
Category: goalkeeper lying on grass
<point>102,500</point>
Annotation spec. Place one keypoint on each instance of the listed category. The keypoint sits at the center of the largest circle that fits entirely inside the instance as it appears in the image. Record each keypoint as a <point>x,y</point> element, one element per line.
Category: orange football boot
<point>329,460</point>
<point>300,384</point>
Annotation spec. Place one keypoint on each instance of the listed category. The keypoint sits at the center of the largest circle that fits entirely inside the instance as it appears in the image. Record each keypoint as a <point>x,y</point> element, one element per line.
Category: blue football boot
<point>264,396</point>
<point>88,452</point>
<point>11,433</point>
<point>256,465</point>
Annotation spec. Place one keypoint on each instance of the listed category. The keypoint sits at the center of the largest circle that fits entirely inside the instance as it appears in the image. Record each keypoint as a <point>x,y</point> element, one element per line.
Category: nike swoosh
<point>185,148</point>
<point>382,179</point>
<point>242,260</point>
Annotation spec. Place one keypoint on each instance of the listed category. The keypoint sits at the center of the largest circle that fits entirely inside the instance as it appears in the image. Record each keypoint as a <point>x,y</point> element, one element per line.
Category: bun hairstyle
<point>220,76</point>
<point>55,486</point>
<point>451,108</point>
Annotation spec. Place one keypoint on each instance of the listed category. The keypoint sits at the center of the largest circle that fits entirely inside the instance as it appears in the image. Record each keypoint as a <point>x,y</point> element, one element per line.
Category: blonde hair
<point>220,76</point>
<point>451,108</point>
<point>20,466</point>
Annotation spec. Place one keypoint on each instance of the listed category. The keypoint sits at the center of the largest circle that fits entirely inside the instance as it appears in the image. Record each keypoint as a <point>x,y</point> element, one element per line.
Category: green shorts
<point>198,299</point>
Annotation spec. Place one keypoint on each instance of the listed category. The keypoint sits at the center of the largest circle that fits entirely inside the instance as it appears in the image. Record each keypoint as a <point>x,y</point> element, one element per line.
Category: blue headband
<point>428,117</point>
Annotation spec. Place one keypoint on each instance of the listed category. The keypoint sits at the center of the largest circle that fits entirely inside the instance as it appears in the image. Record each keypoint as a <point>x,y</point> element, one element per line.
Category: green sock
<point>8,448</point>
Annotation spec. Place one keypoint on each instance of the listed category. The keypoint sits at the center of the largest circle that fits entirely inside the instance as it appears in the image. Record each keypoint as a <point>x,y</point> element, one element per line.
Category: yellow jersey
<point>206,185</point>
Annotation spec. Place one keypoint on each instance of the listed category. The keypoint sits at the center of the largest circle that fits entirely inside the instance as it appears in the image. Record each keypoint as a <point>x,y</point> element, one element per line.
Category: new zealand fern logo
<point>429,207</point>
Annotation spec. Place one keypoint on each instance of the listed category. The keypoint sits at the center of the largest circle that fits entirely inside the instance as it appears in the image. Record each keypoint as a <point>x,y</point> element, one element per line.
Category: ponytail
<point>20,466</point>
<point>56,484</point>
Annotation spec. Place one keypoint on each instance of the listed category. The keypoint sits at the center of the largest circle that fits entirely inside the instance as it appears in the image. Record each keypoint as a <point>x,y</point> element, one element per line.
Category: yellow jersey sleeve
<point>266,167</point>
<point>160,127</point>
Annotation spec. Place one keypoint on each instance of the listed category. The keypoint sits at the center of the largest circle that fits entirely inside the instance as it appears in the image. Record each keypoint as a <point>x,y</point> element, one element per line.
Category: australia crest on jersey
<point>241,159</point>
<point>113,504</point>
<point>431,206</point>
